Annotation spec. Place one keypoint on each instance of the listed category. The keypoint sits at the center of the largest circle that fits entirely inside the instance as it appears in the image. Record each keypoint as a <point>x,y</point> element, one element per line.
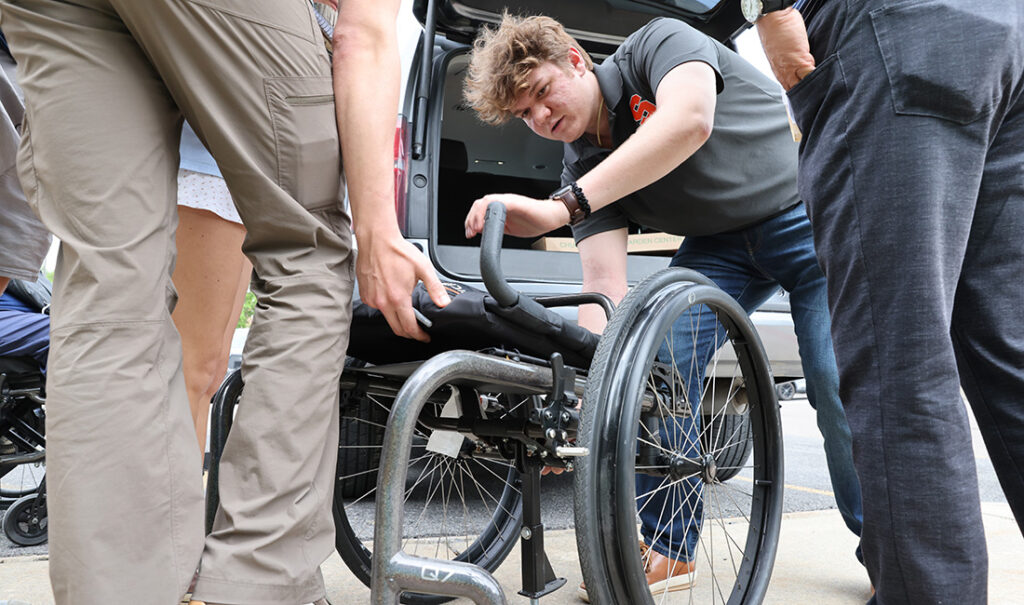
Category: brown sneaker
<point>668,575</point>
<point>581,592</point>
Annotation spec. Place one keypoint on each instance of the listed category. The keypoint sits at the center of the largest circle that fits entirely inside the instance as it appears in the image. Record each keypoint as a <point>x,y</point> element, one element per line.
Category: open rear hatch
<point>472,160</point>
<point>599,25</point>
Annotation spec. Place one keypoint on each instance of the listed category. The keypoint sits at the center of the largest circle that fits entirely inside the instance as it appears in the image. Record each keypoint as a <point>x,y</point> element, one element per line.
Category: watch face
<point>751,9</point>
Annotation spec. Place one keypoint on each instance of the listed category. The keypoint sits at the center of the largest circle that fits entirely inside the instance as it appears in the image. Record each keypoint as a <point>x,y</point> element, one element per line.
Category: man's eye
<point>542,90</point>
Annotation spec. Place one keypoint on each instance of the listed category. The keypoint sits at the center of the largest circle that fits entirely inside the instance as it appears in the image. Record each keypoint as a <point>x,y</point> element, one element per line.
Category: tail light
<point>401,169</point>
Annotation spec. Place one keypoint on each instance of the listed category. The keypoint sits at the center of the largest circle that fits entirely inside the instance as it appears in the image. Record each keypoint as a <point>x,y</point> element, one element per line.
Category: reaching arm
<point>388,267</point>
<point>603,257</point>
<point>682,123</point>
<point>686,114</point>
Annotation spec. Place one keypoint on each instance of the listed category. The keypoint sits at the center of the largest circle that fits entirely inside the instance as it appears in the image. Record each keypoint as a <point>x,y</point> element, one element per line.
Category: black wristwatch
<point>575,202</point>
<point>755,9</point>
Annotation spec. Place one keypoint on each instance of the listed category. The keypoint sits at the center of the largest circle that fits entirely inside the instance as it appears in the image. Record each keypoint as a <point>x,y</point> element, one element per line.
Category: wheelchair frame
<point>545,437</point>
<point>22,401</point>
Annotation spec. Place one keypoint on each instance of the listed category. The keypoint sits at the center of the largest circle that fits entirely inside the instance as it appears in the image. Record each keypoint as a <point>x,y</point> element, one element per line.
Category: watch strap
<point>769,6</point>
<point>575,202</point>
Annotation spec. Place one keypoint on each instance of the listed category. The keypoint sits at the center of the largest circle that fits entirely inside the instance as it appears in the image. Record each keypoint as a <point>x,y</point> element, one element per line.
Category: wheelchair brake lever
<point>559,419</point>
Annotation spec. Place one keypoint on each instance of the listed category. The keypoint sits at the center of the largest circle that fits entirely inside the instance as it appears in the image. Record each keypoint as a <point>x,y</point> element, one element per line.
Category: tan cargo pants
<point>107,83</point>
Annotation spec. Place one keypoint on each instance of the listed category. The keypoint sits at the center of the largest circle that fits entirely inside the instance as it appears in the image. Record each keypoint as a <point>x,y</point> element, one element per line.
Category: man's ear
<point>576,61</point>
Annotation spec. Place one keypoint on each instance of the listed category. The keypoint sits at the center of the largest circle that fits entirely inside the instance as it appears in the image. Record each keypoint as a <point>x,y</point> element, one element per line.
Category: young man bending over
<point>679,134</point>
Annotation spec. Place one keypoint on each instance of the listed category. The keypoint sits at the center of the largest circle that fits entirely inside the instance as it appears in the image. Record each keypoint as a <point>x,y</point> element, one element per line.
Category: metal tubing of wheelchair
<point>32,394</point>
<point>393,570</point>
<point>23,458</point>
<point>575,300</point>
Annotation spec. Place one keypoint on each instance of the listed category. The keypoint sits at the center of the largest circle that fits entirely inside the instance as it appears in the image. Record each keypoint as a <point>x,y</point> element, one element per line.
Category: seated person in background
<point>24,328</point>
<point>679,134</point>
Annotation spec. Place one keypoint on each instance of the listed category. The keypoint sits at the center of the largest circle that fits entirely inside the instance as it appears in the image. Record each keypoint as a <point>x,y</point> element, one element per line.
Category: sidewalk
<point>815,565</point>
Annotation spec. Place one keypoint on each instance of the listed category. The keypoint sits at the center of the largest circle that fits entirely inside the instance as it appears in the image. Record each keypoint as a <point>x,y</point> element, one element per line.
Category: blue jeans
<point>750,265</point>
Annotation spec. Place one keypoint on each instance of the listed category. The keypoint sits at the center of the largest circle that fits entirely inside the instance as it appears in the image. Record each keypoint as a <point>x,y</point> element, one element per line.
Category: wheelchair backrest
<point>35,294</point>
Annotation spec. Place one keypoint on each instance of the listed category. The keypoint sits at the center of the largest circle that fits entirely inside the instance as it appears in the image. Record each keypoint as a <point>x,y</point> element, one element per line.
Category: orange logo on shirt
<point>641,109</point>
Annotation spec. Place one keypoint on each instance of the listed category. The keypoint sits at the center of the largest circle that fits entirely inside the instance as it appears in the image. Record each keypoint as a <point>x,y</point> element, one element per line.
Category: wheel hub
<point>681,467</point>
<point>710,471</point>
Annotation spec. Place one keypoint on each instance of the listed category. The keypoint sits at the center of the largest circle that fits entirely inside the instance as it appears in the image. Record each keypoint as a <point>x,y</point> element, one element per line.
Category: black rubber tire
<point>733,439</point>
<point>605,489</point>
<point>22,525</point>
<point>488,550</point>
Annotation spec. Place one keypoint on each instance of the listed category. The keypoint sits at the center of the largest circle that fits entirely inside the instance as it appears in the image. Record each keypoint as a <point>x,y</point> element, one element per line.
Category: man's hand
<point>388,268</point>
<point>527,217</point>
<point>3,283</point>
<point>784,38</point>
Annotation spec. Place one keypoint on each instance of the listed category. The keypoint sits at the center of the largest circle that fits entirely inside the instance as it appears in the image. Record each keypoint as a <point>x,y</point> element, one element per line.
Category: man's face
<point>555,105</point>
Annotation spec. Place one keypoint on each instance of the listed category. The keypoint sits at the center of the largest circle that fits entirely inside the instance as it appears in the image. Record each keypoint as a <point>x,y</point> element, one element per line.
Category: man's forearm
<point>686,99</point>
<point>643,160</point>
<point>366,66</point>
<point>784,38</point>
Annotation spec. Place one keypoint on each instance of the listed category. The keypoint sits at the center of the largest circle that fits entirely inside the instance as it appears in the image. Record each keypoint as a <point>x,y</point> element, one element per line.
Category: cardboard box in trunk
<point>655,244</point>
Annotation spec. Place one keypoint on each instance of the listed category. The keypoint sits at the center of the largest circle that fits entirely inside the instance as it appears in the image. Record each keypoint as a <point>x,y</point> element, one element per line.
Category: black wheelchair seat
<point>472,321</point>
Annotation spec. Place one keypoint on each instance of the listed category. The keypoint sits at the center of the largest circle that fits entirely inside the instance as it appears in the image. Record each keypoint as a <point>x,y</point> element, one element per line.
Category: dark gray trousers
<point>912,167</point>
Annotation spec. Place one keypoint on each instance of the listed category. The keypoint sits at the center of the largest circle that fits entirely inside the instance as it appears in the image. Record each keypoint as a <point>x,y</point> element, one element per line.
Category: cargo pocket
<point>939,57</point>
<point>306,136</point>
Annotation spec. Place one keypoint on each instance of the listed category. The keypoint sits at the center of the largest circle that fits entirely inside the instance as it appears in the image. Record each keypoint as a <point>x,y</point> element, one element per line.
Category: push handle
<point>490,256</point>
<point>524,310</point>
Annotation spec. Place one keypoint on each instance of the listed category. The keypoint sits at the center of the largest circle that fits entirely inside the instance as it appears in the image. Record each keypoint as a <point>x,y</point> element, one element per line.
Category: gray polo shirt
<point>743,174</point>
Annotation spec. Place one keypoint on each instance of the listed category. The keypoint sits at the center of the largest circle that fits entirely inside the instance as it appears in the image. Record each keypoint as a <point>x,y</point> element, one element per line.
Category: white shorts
<point>206,192</point>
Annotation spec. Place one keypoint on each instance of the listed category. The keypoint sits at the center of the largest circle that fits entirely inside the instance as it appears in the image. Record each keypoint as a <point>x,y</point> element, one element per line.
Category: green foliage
<point>248,307</point>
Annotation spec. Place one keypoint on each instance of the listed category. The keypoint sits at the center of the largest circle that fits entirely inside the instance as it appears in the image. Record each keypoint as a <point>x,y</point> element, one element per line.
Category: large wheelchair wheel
<point>22,436</point>
<point>679,391</point>
<point>463,497</point>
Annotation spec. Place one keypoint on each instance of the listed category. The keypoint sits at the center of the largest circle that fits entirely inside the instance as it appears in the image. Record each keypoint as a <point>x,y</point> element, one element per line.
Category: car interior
<point>477,159</point>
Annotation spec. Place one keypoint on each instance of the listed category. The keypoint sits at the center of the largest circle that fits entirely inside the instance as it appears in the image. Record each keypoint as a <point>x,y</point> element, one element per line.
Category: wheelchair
<point>672,412</point>
<point>23,450</point>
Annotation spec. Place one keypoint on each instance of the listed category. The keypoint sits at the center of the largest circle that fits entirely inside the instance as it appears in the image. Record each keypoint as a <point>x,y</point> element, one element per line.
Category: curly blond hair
<point>503,58</point>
